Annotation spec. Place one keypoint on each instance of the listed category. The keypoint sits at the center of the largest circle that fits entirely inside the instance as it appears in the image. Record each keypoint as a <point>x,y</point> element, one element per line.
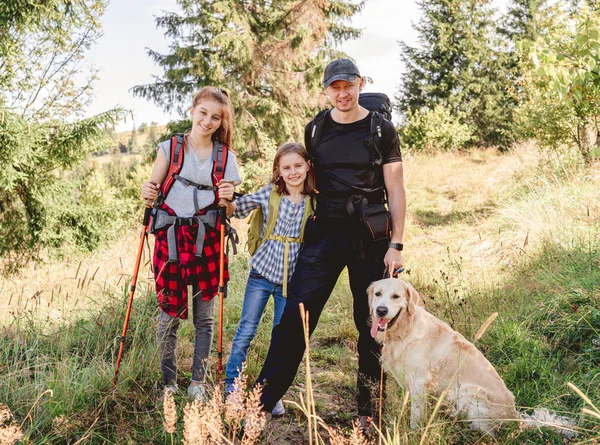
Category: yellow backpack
<point>256,224</point>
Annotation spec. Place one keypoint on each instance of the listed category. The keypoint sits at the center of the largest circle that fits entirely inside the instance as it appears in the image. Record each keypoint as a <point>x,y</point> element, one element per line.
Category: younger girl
<point>293,186</point>
<point>185,253</point>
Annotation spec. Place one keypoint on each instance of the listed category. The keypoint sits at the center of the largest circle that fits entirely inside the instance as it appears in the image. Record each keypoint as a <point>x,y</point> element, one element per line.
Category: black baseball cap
<point>340,69</point>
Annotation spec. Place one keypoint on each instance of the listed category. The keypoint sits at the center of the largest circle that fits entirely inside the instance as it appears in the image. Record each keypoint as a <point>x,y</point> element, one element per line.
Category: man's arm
<point>393,176</point>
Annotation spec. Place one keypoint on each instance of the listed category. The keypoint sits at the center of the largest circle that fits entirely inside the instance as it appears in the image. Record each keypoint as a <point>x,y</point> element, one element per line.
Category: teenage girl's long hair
<point>277,180</point>
<point>223,133</point>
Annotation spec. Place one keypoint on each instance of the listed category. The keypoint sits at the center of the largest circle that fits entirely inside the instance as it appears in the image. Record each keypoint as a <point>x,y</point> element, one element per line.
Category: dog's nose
<point>381,311</point>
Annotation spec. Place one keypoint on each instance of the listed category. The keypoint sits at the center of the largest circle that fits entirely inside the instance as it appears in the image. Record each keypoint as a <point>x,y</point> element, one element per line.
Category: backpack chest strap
<point>284,239</point>
<point>286,253</point>
<point>189,183</point>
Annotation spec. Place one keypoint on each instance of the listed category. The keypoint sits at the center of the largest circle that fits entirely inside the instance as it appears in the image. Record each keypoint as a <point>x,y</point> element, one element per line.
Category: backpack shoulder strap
<point>219,158</point>
<point>308,212</point>
<point>316,130</point>
<point>375,135</point>
<point>175,163</point>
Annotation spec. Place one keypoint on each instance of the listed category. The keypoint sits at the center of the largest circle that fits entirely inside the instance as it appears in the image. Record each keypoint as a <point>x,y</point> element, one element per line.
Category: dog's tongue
<point>377,323</point>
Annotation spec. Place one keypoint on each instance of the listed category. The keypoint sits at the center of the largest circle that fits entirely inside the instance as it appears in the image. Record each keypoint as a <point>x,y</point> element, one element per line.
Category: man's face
<point>343,95</point>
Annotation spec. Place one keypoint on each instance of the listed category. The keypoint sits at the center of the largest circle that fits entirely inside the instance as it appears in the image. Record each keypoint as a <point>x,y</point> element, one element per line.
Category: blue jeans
<point>258,291</point>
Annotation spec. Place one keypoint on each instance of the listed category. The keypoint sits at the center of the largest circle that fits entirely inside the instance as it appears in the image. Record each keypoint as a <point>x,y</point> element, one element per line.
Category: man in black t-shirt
<point>344,170</point>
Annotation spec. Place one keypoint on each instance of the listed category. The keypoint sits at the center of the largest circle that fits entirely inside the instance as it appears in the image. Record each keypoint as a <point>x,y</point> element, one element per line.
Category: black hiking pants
<point>321,260</point>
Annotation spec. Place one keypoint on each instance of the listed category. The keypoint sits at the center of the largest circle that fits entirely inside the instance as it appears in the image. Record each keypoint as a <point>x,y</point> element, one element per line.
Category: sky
<point>129,28</point>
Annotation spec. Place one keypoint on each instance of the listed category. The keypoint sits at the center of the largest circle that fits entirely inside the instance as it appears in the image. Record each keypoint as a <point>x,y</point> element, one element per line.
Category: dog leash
<point>386,273</point>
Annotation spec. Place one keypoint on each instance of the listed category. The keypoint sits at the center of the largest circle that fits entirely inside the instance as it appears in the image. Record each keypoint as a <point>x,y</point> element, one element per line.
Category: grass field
<point>485,233</point>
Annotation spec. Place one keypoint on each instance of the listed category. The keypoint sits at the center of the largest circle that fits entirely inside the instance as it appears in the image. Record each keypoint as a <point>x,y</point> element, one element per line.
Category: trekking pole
<point>222,219</point>
<point>145,223</point>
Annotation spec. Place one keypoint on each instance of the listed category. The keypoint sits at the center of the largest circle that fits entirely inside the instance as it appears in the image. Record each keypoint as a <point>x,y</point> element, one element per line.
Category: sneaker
<point>279,410</point>
<point>198,392</point>
<point>160,396</point>
<point>170,388</point>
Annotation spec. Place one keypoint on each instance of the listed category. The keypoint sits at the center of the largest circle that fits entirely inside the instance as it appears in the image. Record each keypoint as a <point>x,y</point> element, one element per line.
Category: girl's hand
<point>150,191</point>
<point>226,190</point>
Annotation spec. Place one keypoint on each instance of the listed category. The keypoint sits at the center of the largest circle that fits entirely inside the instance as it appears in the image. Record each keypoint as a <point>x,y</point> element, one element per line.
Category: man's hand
<point>393,261</point>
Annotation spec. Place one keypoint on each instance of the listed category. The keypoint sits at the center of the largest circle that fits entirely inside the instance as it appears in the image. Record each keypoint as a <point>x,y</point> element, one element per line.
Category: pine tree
<point>458,65</point>
<point>269,55</point>
<point>521,20</point>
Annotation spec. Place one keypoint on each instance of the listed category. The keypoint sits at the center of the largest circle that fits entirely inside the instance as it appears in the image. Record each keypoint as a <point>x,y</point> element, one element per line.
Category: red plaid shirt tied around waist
<point>173,276</point>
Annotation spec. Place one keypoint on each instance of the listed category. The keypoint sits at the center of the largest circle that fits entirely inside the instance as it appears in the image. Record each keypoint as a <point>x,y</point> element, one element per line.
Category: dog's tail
<point>541,417</point>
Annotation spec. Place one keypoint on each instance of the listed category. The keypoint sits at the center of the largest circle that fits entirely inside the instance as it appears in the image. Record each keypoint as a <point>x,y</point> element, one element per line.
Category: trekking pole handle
<point>147,214</point>
<point>223,205</point>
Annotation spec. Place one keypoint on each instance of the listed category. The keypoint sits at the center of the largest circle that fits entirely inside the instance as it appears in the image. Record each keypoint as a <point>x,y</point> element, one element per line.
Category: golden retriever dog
<point>428,357</point>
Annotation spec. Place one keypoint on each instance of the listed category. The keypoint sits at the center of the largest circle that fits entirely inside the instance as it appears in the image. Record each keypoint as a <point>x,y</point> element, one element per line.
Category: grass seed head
<point>170,412</point>
<point>10,433</point>
<point>256,418</point>
<point>194,430</point>
<point>235,409</point>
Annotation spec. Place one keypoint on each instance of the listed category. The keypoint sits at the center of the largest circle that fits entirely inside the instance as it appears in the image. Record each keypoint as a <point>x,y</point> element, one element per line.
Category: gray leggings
<point>203,319</point>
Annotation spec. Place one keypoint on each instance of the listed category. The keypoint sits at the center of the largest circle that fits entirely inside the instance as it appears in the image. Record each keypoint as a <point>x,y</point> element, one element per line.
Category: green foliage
<point>43,52</point>
<point>434,130</point>
<point>258,171</point>
<point>562,82</point>
<point>270,57</point>
<point>30,182</point>
<point>458,65</point>
<point>41,133</point>
<point>521,21</point>
<point>131,143</point>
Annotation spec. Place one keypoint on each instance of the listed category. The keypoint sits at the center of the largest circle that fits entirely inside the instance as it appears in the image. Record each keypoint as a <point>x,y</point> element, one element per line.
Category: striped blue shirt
<point>268,259</point>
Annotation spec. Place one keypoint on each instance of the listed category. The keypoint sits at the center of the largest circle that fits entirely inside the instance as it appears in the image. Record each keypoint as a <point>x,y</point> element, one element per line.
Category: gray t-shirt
<point>186,200</point>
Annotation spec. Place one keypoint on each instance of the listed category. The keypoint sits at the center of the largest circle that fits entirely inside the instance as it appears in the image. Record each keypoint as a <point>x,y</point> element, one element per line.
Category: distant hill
<point>137,140</point>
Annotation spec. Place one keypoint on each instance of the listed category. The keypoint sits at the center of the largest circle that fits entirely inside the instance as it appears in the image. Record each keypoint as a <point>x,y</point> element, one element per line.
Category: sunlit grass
<point>485,233</point>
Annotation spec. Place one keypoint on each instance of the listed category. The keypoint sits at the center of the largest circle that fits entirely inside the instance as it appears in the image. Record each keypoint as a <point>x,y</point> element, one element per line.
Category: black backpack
<point>381,107</point>
<point>378,102</point>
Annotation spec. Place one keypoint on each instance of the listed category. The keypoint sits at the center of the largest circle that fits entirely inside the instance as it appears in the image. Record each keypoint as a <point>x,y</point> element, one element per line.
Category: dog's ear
<point>412,297</point>
<point>370,292</point>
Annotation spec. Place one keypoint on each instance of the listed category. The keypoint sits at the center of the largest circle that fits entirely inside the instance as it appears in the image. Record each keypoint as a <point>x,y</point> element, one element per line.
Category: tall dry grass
<point>486,233</point>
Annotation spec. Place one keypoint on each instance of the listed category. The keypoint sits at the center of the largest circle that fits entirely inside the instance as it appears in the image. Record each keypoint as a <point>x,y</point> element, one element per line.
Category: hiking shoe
<point>160,396</point>
<point>170,388</point>
<point>279,410</point>
<point>365,426</point>
<point>198,392</point>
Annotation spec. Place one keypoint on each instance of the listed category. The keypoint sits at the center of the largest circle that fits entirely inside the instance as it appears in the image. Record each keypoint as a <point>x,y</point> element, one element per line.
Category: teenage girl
<point>294,184</point>
<point>184,208</point>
